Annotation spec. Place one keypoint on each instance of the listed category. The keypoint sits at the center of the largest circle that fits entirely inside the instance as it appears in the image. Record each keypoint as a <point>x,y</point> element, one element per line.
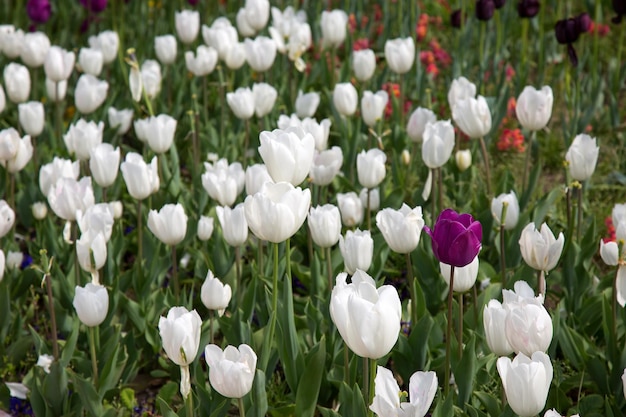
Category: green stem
<point>246,143</point>
<point>481,56</point>
<point>614,304</point>
<point>267,343</point>
<point>211,319</point>
<point>439,172</point>
<point>94,358</point>
<point>525,23</point>
<point>372,387</point>
<point>260,260</point>
<point>140,240</point>
<point>448,334</point>
<point>329,269</point>
<point>366,385</point>
<point>346,364</point>
<point>242,410</point>
<point>579,220</point>
<point>175,275</point>
<point>529,151</point>
<point>483,149</point>
<point>505,207</point>
<point>189,407</point>
<point>288,257</point>
<point>460,334</point>
<point>541,283</point>
<point>53,319</point>
<point>369,213</point>
<point>238,274</point>
<point>411,281</point>
<point>74,229</point>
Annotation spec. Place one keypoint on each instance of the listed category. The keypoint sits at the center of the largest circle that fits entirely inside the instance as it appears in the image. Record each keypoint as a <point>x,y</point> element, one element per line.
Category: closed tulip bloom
<point>234,224</point>
<point>463,159</point>
<point>257,13</point>
<point>422,390</point>
<point>512,209</point>
<point>3,99</point>
<point>9,143</point>
<point>256,176</point>
<point>416,125</point>
<point>320,131</point>
<point>34,49</point>
<point>363,64</point>
<point>345,99</point>
<point>205,228</point>
<point>540,249</point>
<point>91,251</point>
<point>235,56</point>
<point>400,54</point>
<point>187,25</point>
<point>326,165</point>
<point>609,251</point>
<point>351,208</point>
<point>7,219</point>
<point>31,117</point>
<point>371,194</point>
<point>83,137</point>
<point>214,294</point>
<point>17,82</point>
<point>14,259</point>
<point>528,326</point>
<point>264,98</point>
<point>166,48</point>
<point>11,41</point>
<point>90,61</point>
<point>107,42</point>
<point>221,35</point>
<point>241,102</point>
<point>438,143</point>
<point>461,88</point>
<point>223,182</point>
<point>582,157</point>
<point>401,228</point>
<point>361,302</point>
<point>325,225</point>
<point>357,250</point>
<point>56,90</point>
<point>97,218</point>
<point>160,132</point>
<point>306,104</point>
<point>334,26</point>
<point>120,119</point>
<point>104,163</point>
<point>534,107</point>
<point>526,382</point>
<point>151,78</point>
<point>370,167</point>
<point>169,224</point>
<point>231,371</point>
<point>59,64</point>
<point>244,28</point>
<point>260,53</point>
<point>618,214</point>
<point>494,321</point>
<point>203,63</point>
<point>456,238</point>
<point>22,156</point>
<point>67,196</point>
<point>473,116</point>
<point>288,154</point>
<point>373,106</point>
<point>58,168</point>
<point>277,211</point>
<point>91,303</point>
<point>464,277</point>
<point>90,93</point>
<point>180,334</point>
<point>141,179</point>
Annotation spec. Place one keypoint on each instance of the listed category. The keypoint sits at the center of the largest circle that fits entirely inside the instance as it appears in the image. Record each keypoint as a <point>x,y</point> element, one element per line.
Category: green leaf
<point>127,397</point>
<point>259,394</point>
<point>88,395</point>
<point>164,408</point>
<point>113,368</point>
<point>444,407</point>
<point>70,345</point>
<point>287,338</point>
<point>465,372</point>
<point>311,379</point>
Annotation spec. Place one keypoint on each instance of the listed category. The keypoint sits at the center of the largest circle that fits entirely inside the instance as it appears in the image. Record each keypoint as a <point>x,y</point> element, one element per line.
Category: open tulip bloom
<point>422,390</point>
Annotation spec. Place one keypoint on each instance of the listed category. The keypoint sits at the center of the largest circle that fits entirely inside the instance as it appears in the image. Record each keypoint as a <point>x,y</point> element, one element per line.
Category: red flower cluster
<point>359,44</point>
<point>511,140</point>
<point>430,58</point>
<point>393,90</point>
<point>610,230</point>
<point>601,28</point>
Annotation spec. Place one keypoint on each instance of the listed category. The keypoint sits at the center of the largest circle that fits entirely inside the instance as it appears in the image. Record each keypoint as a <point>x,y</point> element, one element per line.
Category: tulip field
<point>312,208</point>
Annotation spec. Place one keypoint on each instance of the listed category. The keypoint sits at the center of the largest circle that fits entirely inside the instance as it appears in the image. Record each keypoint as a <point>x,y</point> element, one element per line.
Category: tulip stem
<point>189,407</point>
<point>439,172</point>
<point>615,303</point>
<point>94,359</point>
<point>260,257</point>
<point>411,281</point>
<point>366,383</point>
<point>267,342</point>
<point>529,152</point>
<point>288,258</point>
<point>238,274</point>
<point>579,213</point>
<point>246,143</point>
<point>211,318</point>
<point>541,283</point>
<point>74,232</point>
<point>329,268</point>
<point>140,241</point>
<point>483,149</point>
<point>460,336</point>
<point>57,115</point>
<point>346,364</point>
<point>242,410</point>
<point>372,387</point>
<point>505,207</point>
<point>369,213</point>
<point>175,275</point>
<point>448,334</point>
<point>53,319</point>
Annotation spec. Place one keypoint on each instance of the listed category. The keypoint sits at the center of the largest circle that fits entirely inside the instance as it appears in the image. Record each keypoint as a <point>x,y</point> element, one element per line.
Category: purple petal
<point>463,249</point>
<point>477,229</point>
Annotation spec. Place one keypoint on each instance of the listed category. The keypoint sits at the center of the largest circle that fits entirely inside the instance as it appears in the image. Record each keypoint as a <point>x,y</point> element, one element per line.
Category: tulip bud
<point>165,48</point>
<point>59,64</point>
<point>141,179</point>
<point>326,165</point>
<point>223,182</point>
<point>370,167</point>
<point>438,143</point>
<point>288,154</point>
<point>7,218</point>
<point>39,210</point>
<point>456,238</point>
<point>357,250</point>
<point>363,64</point>
<point>494,321</point>
<point>14,260</point>
<point>35,48</point>
<point>56,90</point>
<point>351,208</point>
<point>401,228</point>
<point>256,176</point>
<point>17,82</point>
<point>320,131</point>
<point>528,326</point>
<point>260,53</point>
<point>169,224</point>
<point>244,28</point>
<point>39,12</point>
<point>417,123</point>
<point>151,78</point>
<point>526,382</point>
<point>90,93</point>
<point>214,294</point>
<point>234,224</point>
<point>97,218</point>
<point>241,102</point>
<point>325,225</point>
<point>400,54</point>
<point>257,13</point>
<point>534,107</point>
<point>460,88</point>
<point>23,154</point>
<point>463,159</point>
<point>12,42</point>
<point>117,208</point>
<point>609,251</point>
<point>264,98</point>
<point>540,249</point>
<point>464,277</point>
<point>405,157</point>
<point>582,157</point>
<point>306,104</point>
<point>90,61</point>
<point>107,42</point>
<point>361,302</point>
<point>512,209</point>
<point>67,196</point>
<point>58,168</point>
<point>104,163</point>
<point>231,372</point>
<point>31,117</point>
<point>205,228</point>
<point>160,132</point>
<point>373,106</point>
<point>91,251</point>
<point>373,196</point>
<point>187,25</point>
<point>91,303</point>
<point>528,8</point>
<point>203,63</point>
<point>345,99</point>
<point>235,56</point>
<point>83,137</point>
<point>222,36</point>
<point>485,9</point>
<point>472,116</point>
<point>334,25</point>
<point>120,119</point>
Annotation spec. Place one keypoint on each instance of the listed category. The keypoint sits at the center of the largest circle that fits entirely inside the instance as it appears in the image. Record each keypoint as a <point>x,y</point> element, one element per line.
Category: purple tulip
<point>95,6</point>
<point>38,10</point>
<point>485,9</point>
<point>456,238</point>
